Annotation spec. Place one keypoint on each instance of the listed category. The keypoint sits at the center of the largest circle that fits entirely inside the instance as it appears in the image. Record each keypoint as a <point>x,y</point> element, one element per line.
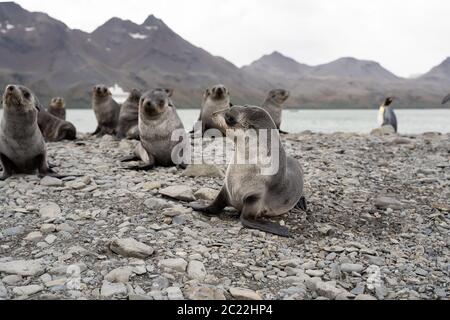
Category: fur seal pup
<point>214,99</point>
<point>53,128</point>
<point>386,115</point>
<point>129,116</point>
<point>246,188</point>
<point>22,146</point>
<point>57,108</point>
<point>274,105</point>
<point>446,99</point>
<point>158,119</point>
<point>106,110</point>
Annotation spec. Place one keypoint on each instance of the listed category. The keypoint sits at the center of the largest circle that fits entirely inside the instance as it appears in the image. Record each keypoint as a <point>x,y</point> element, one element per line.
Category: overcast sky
<point>406,37</point>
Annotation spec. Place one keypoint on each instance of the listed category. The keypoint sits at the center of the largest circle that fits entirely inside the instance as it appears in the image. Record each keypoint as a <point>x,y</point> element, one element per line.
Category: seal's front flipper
<point>205,207</point>
<point>302,204</point>
<point>144,167</point>
<point>8,167</point>
<point>130,159</point>
<point>265,226</point>
<point>214,208</point>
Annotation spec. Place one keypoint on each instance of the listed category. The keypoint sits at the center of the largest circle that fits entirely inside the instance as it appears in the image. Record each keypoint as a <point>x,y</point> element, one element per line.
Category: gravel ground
<point>377,227</point>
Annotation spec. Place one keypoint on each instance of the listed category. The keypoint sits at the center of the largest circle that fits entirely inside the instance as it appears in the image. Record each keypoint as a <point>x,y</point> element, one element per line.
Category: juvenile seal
<point>106,111</point>
<point>274,105</point>
<point>158,119</point>
<point>129,116</point>
<point>247,189</point>
<point>386,115</point>
<point>57,108</point>
<point>53,128</point>
<point>215,99</point>
<point>22,146</point>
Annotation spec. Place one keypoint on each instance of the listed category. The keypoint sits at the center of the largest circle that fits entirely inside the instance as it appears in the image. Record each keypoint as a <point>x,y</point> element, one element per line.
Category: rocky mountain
<point>348,82</point>
<point>52,59</point>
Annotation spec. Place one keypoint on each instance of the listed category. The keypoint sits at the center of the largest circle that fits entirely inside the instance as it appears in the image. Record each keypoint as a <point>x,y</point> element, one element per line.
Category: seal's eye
<point>26,95</point>
<point>230,120</point>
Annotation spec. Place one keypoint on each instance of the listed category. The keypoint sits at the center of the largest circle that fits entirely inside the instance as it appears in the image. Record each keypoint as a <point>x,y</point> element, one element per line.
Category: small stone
<point>76,185</point>
<point>51,182</point>
<point>196,270</point>
<point>157,204</point>
<point>206,294</point>
<point>48,228</point>
<point>203,170</point>
<point>119,275</point>
<point>174,293</point>
<point>50,239</point>
<point>12,280</point>
<point>34,236</point>
<point>50,211</point>
<point>350,267</point>
<point>27,290</point>
<point>386,202</point>
<point>131,248</point>
<point>65,227</point>
<point>56,283</point>
<point>22,267</point>
<point>14,231</point>
<point>182,193</point>
<point>207,194</point>
<point>3,292</point>
<point>315,273</point>
<point>149,186</point>
<point>244,294</point>
<point>176,211</point>
<point>177,264</point>
<point>111,289</point>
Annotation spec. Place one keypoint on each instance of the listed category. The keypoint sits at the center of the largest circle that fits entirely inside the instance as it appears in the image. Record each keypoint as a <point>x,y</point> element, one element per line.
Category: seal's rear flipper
<point>129,159</point>
<point>265,226</point>
<point>302,204</point>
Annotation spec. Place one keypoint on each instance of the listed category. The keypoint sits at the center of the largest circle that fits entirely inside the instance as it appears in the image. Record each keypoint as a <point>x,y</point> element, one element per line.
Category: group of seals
<point>114,119</point>
<point>246,188</point>
<point>386,115</point>
<point>22,145</point>
<point>158,119</point>
<point>218,98</point>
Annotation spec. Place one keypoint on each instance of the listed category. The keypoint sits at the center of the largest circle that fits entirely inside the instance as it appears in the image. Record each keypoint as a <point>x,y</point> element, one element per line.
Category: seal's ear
<point>169,92</point>
<point>207,93</point>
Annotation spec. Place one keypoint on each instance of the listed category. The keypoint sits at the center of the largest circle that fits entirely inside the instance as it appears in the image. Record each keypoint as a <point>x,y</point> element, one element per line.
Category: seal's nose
<point>10,88</point>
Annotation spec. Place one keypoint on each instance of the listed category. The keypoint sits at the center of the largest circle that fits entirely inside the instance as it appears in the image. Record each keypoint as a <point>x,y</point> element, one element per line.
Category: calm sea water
<point>325,121</point>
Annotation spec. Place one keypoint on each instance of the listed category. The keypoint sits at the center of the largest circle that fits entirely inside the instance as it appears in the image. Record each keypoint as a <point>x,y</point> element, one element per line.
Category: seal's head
<point>19,98</point>
<point>58,103</point>
<point>156,102</point>
<point>135,95</point>
<point>244,118</point>
<point>279,95</point>
<point>218,92</point>
<point>101,91</point>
